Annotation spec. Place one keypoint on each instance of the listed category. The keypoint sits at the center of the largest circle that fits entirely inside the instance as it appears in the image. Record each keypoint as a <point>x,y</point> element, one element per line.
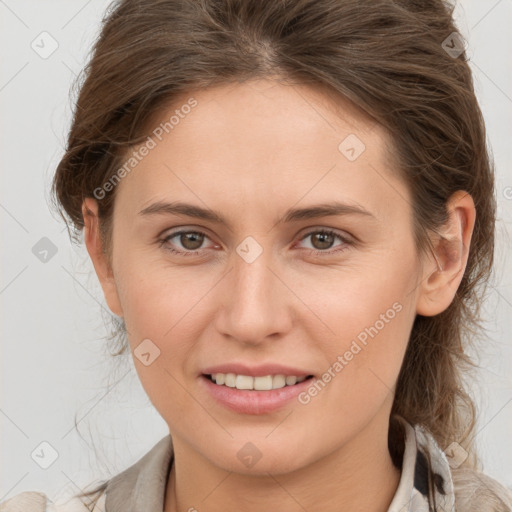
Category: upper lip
<point>256,371</point>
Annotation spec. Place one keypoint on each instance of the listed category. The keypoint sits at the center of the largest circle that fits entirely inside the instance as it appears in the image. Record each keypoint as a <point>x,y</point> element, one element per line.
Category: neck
<point>359,476</point>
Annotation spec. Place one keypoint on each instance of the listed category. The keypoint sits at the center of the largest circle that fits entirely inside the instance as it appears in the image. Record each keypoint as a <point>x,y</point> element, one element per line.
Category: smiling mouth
<point>246,382</point>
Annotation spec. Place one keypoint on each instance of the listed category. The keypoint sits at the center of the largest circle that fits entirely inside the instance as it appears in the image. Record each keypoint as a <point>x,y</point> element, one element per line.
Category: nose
<point>254,302</point>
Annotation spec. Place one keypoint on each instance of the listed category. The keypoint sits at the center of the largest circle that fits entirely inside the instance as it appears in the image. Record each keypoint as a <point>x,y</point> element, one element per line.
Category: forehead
<point>264,138</point>
<point>269,111</point>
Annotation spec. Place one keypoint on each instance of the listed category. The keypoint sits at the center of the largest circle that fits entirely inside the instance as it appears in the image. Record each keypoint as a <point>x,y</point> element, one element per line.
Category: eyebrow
<point>291,215</point>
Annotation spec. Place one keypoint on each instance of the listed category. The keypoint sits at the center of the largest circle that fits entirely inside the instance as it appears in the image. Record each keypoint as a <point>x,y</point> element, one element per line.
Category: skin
<point>250,151</point>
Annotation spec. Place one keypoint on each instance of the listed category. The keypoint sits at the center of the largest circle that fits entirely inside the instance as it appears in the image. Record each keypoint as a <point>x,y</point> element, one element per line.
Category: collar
<point>425,483</point>
<point>142,486</point>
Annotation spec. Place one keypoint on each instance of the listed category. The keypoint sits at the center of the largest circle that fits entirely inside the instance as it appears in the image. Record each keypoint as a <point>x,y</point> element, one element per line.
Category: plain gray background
<point>54,363</point>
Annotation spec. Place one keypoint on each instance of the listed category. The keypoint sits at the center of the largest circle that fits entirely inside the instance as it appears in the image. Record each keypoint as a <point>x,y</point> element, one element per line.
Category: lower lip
<point>251,401</point>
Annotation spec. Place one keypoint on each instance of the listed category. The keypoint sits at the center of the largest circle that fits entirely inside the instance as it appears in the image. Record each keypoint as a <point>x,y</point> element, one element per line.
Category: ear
<point>445,268</point>
<point>99,258</point>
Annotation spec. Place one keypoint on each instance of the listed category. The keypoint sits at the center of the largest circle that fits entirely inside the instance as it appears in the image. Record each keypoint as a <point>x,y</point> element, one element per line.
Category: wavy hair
<point>388,58</point>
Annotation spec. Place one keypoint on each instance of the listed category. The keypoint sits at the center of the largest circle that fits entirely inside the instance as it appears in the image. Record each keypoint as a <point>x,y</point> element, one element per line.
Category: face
<point>268,283</point>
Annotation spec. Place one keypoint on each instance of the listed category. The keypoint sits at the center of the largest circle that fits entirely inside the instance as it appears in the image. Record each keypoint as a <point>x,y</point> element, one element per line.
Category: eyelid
<point>169,232</point>
<point>346,239</point>
<point>172,232</point>
<point>165,237</point>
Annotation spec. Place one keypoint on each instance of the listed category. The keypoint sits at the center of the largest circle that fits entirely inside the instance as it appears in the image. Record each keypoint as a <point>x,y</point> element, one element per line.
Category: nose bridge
<point>255,301</point>
<point>252,274</point>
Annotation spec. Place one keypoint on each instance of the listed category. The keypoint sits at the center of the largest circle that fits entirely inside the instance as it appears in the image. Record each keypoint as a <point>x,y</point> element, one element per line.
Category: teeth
<point>291,380</point>
<point>265,383</point>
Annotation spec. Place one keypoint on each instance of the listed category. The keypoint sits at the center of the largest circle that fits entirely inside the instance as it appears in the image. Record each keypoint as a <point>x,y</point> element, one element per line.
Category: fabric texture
<point>33,501</point>
<point>425,484</point>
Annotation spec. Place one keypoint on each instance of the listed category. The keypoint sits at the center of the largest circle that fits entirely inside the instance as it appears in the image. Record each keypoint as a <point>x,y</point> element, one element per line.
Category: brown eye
<point>191,240</point>
<point>185,243</point>
<point>189,243</point>
<point>322,240</point>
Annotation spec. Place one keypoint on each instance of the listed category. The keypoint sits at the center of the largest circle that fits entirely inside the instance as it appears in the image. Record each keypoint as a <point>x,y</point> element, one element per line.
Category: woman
<point>290,205</point>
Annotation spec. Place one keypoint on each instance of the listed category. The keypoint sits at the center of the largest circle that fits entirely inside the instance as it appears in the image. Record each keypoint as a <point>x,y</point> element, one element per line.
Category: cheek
<point>161,320</point>
<point>369,320</point>
<point>156,296</point>
<point>165,305</point>
<point>358,314</point>
<point>362,362</point>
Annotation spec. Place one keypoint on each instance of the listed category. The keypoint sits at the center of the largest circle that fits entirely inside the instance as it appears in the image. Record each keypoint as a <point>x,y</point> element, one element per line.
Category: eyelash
<point>346,243</point>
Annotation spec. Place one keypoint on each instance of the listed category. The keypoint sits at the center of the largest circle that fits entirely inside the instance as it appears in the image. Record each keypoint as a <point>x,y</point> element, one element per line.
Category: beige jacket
<point>426,484</point>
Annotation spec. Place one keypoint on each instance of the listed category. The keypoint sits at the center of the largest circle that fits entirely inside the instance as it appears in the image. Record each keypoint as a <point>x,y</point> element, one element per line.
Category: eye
<point>323,239</point>
<point>191,241</point>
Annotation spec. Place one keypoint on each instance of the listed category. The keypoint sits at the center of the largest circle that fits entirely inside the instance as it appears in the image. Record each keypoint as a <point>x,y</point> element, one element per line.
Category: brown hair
<point>385,56</point>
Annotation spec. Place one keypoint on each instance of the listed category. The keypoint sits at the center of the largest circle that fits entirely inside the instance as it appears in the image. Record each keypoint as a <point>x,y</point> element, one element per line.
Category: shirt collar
<point>425,482</point>
<point>142,486</point>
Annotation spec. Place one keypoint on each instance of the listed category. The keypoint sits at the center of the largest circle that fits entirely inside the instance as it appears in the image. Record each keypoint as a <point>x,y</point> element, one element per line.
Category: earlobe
<point>445,269</point>
<point>98,257</point>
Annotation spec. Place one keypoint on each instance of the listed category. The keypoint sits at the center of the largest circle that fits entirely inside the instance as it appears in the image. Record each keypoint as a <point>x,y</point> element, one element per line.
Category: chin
<point>259,459</point>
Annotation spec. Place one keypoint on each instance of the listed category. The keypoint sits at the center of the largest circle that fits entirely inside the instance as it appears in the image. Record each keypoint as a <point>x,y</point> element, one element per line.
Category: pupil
<point>186,238</point>
<point>323,236</point>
